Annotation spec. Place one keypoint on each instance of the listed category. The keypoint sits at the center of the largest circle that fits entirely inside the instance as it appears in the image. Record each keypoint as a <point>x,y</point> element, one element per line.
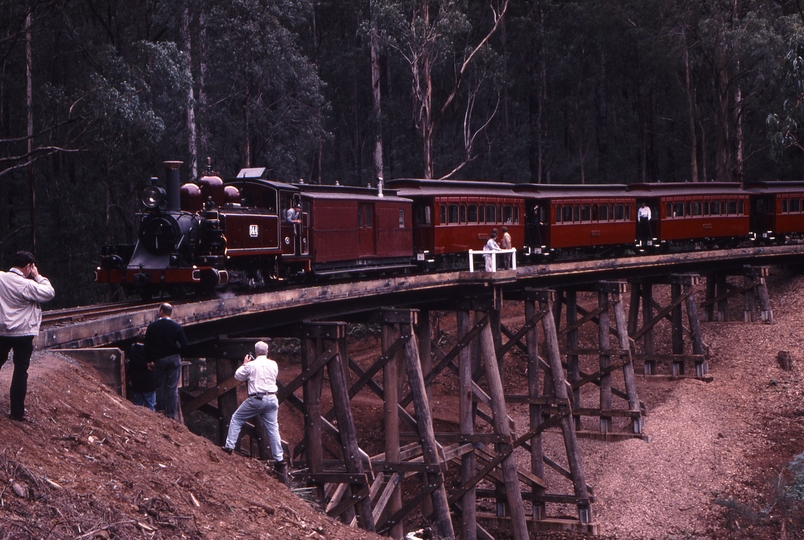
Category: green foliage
<point>783,127</point>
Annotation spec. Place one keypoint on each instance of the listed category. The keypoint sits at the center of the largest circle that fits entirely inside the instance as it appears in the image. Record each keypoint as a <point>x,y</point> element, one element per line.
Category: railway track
<point>57,317</point>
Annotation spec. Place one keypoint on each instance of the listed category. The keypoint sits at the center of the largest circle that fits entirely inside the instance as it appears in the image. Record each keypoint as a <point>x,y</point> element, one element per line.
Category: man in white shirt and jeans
<point>261,373</point>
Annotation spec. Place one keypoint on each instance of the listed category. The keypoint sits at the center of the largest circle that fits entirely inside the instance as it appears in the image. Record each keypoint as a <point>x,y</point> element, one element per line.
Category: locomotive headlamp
<point>153,196</point>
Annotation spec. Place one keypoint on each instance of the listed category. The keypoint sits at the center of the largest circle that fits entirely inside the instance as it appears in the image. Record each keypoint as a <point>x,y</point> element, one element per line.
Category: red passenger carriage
<point>711,213</point>
<point>564,218</point>
<point>452,216</point>
<point>777,210</point>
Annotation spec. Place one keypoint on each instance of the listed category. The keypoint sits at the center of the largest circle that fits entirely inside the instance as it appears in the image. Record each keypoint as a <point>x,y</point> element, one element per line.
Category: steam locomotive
<point>252,232</point>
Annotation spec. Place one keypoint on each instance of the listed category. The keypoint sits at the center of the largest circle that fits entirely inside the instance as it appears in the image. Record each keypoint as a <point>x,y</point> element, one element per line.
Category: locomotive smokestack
<point>173,184</point>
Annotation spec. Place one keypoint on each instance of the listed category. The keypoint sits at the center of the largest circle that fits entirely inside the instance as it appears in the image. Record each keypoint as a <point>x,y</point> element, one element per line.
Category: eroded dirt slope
<point>92,465</point>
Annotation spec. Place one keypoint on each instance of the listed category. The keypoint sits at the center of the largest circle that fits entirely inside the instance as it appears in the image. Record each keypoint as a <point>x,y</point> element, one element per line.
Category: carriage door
<point>365,230</point>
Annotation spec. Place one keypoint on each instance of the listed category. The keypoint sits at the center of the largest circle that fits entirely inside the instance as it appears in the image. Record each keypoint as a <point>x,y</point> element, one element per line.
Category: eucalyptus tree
<point>738,44</point>
<point>264,98</point>
<point>784,121</point>
<point>440,46</point>
<point>784,129</point>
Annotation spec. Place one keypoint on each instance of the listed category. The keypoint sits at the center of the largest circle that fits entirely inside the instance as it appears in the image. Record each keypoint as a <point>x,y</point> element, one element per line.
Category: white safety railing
<point>494,254</point>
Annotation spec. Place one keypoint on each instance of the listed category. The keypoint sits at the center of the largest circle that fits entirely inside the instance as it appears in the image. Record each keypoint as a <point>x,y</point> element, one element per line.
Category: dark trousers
<point>23,348</point>
<point>167,371</point>
<point>643,230</point>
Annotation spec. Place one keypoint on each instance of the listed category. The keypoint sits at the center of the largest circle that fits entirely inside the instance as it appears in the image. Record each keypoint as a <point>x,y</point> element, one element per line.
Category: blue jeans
<point>168,371</point>
<point>144,399</point>
<point>23,348</point>
<point>267,409</point>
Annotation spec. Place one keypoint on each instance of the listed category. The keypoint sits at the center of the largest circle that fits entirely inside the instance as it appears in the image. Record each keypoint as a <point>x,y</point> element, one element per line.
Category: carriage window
<point>427,219</point>
<point>472,218</point>
<point>668,210</point>
<point>463,214</point>
<point>558,213</point>
<point>628,212</point>
<point>491,214</point>
<point>604,212</point>
<point>481,215</point>
<point>715,208</point>
<point>696,208</point>
<point>619,212</point>
<point>586,213</point>
<point>733,207</point>
<point>508,216</point>
<point>576,213</point>
<point>595,213</point>
<point>688,209</point>
<point>499,213</point>
<point>784,205</point>
<point>678,209</point>
<point>364,216</point>
<point>401,218</point>
<point>567,213</point>
<point>516,214</point>
<point>795,205</point>
<point>742,207</point>
<point>706,208</point>
<point>453,213</point>
<point>442,218</point>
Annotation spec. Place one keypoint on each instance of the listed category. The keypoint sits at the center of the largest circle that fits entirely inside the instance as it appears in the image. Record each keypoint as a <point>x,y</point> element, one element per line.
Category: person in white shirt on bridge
<point>491,245</point>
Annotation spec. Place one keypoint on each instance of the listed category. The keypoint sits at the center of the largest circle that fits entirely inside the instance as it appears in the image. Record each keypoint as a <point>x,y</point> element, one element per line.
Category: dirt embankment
<point>91,465</point>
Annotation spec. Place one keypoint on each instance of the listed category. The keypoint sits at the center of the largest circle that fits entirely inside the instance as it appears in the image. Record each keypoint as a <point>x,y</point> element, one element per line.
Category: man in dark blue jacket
<point>164,341</point>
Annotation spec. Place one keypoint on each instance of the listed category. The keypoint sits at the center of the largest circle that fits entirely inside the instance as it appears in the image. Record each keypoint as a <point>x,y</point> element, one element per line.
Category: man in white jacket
<point>21,290</point>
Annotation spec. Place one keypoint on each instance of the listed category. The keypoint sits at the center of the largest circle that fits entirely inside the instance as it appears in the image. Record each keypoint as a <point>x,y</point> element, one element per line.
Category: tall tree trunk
<point>739,166</point>
<point>704,174</point>
<point>504,105</point>
<point>722,153</point>
<point>246,134</point>
<point>427,102</point>
<point>30,120</point>
<point>602,117</point>
<point>203,140</point>
<point>375,93</point>
<point>542,102</point>
<point>191,128</point>
<point>691,116</point>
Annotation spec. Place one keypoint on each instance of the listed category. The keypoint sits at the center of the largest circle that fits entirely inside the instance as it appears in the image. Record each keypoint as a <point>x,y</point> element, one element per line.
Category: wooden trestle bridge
<point>476,462</point>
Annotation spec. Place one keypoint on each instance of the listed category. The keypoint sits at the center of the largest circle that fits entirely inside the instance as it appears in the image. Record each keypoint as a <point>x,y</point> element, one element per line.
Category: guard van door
<point>367,242</point>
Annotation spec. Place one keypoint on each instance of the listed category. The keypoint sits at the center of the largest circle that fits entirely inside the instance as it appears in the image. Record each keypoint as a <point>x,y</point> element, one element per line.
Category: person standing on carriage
<point>643,222</point>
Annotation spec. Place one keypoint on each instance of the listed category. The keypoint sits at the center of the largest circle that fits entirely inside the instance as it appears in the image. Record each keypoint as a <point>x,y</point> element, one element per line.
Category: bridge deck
<point>237,313</point>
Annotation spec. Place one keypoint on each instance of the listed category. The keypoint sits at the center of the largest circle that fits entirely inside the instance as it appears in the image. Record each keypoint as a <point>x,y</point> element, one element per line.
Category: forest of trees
<point>95,94</point>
